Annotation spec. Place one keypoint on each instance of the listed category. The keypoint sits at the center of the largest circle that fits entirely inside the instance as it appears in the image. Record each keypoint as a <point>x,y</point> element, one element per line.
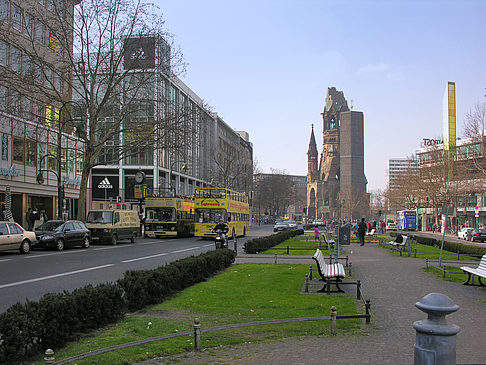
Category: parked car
<point>391,226</point>
<point>291,224</point>
<point>59,234</point>
<point>477,235</point>
<point>318,223</point>
<point>14,237</point>
<point>463,233</point>
<point>280,226</point>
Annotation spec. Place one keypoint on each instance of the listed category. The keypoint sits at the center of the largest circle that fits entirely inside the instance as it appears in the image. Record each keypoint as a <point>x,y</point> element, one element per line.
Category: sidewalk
<point>394,285</point>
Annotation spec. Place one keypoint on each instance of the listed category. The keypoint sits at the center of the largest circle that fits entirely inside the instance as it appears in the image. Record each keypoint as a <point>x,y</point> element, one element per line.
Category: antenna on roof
<point>352,106</point>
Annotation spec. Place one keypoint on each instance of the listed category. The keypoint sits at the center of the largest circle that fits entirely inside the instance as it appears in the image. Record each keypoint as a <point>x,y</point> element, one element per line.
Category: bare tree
<point>113,87</point>
<point>274,192</point>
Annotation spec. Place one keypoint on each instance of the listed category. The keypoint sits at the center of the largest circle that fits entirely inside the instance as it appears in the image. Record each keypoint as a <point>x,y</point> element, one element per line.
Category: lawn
<point>430,252</point>
<point>455,275</point>
<point>241,294</point>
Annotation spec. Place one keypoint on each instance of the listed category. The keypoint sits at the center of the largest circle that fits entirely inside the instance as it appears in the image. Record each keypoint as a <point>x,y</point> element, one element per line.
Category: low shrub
<point>263,243</point>
<point>30,328</point>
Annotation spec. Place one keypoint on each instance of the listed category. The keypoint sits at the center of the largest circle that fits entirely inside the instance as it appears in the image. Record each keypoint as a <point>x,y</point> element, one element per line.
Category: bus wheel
<point>244,232</point>
<point>134,238</point>
<point>113,240</point>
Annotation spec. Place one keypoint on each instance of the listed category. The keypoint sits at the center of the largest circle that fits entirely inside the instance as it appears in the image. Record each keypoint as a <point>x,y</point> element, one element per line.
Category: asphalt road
<point>44,271</point>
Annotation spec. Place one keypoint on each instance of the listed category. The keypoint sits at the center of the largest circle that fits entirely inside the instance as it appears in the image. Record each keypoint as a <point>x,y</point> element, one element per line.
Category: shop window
<point>18,150</point>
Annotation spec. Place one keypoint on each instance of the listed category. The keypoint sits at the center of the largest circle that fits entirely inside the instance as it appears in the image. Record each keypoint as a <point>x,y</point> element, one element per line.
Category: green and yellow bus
<point>213,204</point>
<point>169,216</point>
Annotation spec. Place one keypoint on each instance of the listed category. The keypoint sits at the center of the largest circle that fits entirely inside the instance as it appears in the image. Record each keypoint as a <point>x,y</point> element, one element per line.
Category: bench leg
<point>469,281</point>
<point>480,282</point>
<point>327,287</point>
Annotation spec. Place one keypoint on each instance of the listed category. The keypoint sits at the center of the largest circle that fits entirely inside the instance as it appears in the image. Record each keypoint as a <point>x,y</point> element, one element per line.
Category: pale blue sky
<point>265,66</point>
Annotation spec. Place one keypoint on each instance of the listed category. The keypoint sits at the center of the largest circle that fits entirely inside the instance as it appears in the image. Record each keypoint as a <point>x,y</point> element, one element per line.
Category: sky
<point>265,66</point>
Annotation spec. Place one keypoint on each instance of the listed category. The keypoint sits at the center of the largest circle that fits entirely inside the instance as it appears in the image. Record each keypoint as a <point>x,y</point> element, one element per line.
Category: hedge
<point>29,329</point>
<point>448,246</point>
<point>263,243</point>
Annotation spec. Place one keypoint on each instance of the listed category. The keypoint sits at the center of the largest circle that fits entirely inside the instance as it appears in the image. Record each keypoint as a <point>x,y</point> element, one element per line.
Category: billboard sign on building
<point>105,187</point>
<point>449,115</point>
<point>139,53</point>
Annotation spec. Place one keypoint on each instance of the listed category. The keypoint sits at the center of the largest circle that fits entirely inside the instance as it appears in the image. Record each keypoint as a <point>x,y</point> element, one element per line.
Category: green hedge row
<point>29,329</point>
<point>448,246</point>
<point>263,243</point>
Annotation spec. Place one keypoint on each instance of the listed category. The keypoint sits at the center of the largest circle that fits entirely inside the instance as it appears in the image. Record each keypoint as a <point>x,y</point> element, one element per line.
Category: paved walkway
<point>394,285</point>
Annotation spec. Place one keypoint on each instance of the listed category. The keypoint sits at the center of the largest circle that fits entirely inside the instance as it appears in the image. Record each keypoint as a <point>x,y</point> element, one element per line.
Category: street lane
<point>41,271</point>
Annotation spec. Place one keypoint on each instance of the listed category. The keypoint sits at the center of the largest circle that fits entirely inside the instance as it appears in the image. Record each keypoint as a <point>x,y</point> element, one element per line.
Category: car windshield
<point>49,226</point>
<point>100,217</point>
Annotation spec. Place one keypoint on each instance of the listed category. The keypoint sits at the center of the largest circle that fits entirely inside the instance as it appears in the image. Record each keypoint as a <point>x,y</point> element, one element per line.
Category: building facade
<point>33,59</point>
<point>336,183</point>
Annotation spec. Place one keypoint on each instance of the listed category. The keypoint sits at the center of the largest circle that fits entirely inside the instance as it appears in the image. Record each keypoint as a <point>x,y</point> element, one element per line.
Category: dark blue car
<point>59,234</point>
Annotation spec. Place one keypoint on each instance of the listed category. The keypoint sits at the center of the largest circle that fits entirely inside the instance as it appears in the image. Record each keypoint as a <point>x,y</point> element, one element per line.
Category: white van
<point>112,225</point>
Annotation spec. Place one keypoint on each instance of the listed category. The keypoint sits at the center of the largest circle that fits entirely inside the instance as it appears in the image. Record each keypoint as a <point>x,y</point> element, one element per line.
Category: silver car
<point>280,226</point>
<point>14,237</point>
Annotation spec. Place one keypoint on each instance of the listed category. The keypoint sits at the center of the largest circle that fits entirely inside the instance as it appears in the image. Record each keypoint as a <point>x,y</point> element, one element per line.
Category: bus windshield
<point>210,215</point>
<point>161,214</point>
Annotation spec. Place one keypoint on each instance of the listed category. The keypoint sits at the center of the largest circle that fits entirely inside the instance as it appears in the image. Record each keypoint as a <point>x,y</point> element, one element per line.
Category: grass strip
<point>241,294</point>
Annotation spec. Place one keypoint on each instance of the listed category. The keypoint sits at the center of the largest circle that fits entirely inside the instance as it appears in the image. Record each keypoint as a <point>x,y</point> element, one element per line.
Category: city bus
<point>214,204</point>
<point>169,216</point>
<point>407,220</point>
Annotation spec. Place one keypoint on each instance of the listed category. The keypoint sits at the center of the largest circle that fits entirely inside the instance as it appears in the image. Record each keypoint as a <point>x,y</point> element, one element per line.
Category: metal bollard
<point>367,308</point>
<point>435,338</point>
<point>197,335</point>
<point>333,320</point>
<point>275,258</point>
<point>310,272</point>
<point>427,264</point>
<point>350,269</point>
<point>236,247</point>
<point>306,290</point>
<point>358,289</point>
<point>49,359</point>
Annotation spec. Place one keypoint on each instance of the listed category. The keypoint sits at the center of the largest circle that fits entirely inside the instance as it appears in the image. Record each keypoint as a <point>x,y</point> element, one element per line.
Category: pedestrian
<point>43,216</point>
<point>362,231</point>
<point>29,219</point>
<point>316,234</point>
<point>355,231</point>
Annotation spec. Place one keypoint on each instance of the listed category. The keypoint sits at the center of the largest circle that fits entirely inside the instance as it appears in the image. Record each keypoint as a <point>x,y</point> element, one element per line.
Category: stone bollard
<point>310,272</point>
<point>197,334</point>
<point>435,338</point>
<point>49,359</point>
<point>333,320</point>
<point>306,290</point>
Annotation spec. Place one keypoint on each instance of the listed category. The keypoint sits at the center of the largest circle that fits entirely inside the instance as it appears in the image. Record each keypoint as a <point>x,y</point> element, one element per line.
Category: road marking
<point>51,254</point>
<point>5,260</point>
<point>54,276</point>
<point>210,245</point>
<point>108,248</point>
<point>186,249</point>
<point>145,257</point>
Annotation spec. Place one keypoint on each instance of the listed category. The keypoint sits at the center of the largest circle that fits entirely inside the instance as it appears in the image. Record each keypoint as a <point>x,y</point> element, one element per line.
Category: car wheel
<point>85,242</point>
<point>134,238</point>
<point>60,244</point>
<point>24,247</point>
<point>114,240</point>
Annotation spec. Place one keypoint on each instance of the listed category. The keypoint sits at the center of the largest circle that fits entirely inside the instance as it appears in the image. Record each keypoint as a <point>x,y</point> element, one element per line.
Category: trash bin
<point>345,234</point>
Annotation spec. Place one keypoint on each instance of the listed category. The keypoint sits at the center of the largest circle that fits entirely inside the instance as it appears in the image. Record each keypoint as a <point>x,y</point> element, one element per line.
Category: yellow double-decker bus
<point>169,216</point>
<point>214,204</point>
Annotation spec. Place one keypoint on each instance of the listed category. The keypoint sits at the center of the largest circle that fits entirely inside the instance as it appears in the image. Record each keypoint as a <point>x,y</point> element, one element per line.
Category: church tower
<point>312,156</point>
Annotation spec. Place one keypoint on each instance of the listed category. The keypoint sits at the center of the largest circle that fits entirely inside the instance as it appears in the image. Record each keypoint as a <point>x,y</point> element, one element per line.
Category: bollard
<point>427,264</point>
<point>288,251</point>
<point>350,269</point>
<point>236,247</point>
<point>367,308</point>
<point>197,335</point>
<point>275,258</point>
<point>358,289</point>
<point>310,272</point>
<point>49,359</point>
<point>435,338</point>
<point>333,320</point>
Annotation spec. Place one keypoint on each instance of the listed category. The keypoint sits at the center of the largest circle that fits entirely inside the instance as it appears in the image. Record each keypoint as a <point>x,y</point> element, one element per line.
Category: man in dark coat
<point>362,231</point>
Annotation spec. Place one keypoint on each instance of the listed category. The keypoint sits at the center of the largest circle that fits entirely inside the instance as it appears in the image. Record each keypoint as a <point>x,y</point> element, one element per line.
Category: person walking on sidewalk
<point>362,231</point>
<point>316,234</point>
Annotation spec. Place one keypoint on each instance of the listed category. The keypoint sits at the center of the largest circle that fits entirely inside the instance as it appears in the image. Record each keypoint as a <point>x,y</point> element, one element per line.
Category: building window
<point>4,10</point>
<point>3,98</point>
<point>52,158</point>
<point>48,77</point>
<point>15,59</point>
<point>17,18</point>
<point>39,32</point>
<point>14,102</point>
<point>18,150</point>
<point>42,153</point>
<point>28,25</point>
<point>26,108</point>
<point>5,147</point>
<point>79,163</point>
<point>3,53</point>
<point>27,66</point>
<point>30,153</point>
<point>57,82</point>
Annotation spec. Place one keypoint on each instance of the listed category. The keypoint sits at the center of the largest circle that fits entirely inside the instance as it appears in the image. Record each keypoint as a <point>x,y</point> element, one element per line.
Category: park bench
<point>330,273</point>
<point>329,243</point>
<point>371,233</point>
<point>399,245</point>
<point>480,272</point>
